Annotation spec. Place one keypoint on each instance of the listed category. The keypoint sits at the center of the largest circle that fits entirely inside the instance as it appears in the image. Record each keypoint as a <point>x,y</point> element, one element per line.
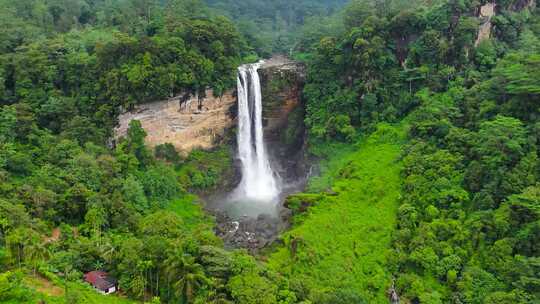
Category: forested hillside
<point>70,202</point>
<point>468,220</point>
<point>427,140</point>
<point>275,25</point>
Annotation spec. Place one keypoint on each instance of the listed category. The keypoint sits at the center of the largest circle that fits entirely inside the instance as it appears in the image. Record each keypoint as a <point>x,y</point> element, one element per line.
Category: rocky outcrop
<point>248,232</point>
<point>187,123</point>
<point>194,122</point>
<point>487,11</point>
<point>282,83</point>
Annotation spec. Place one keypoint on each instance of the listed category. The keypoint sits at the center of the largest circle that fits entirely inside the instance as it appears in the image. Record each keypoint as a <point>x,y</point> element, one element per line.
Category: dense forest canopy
<point>407,111</point>
<point>467,224</point>
<point>274,26</point>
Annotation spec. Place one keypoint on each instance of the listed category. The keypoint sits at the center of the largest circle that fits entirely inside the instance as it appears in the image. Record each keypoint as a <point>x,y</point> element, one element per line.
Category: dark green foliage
<point>272,26</point>
<point>167,152</point>
<point>301,202</point>
<point>70,200</point>
<point>75,82</point>
<point>159,183</point>
<point>203,170</point>
<point>455,218</point>
<point>466,224</point>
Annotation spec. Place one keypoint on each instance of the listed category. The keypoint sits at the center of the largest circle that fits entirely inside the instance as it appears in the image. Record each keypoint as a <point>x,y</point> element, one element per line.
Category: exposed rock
<point>55,236</point>
<point>487,11</point>
<point>392,294</point>
<point>190,122</point>
<point>186,122</point>
<point>247,232</point>
<point>282,83</point>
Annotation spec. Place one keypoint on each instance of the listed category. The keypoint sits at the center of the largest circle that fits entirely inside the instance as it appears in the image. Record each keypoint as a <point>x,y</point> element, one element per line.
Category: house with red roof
<point>101,281</point>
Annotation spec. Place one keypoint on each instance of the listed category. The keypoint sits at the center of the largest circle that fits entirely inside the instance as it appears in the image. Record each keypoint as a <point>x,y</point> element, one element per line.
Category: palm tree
<point>107,250</point>
<point>37,252</point>
<point>217,294</point>
<point>143,267</point>
<point>187,275</point>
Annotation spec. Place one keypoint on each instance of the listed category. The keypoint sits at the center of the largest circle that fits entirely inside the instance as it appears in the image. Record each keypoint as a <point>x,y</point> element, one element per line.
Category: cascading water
<point>259,183</point>
<point>252,215</point>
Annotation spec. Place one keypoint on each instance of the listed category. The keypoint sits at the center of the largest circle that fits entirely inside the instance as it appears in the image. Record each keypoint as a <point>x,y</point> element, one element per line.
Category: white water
<point>259,183</point>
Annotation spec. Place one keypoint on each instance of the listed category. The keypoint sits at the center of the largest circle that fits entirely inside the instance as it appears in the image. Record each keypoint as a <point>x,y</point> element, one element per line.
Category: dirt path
<point>44,286</point>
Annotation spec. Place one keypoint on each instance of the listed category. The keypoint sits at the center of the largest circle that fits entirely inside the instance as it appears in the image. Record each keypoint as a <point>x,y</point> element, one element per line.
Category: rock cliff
<point>487,11</point>
<point>282,83</point>
<point>194,122</point>
<point>187,124</point>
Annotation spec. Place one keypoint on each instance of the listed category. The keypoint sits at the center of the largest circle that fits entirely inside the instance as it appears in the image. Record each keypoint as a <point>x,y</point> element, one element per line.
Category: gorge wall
<point>204,122</point>
<point>283,116</point>
<point>190,124</point>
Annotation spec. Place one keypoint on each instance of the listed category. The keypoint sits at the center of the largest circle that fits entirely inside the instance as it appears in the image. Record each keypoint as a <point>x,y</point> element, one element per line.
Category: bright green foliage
<point>472,149</point>
<point>447,213</point>
<point>189,210</point>
<point>251,288</point>
<point>520,75</point>
<point>342,241</point>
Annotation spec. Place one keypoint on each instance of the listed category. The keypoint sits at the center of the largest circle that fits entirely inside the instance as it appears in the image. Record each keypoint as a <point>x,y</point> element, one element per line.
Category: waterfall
<point>258,182</point>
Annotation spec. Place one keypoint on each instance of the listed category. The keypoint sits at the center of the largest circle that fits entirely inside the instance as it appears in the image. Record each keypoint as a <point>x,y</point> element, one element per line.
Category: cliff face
<point>487,11</point>
<point>282,83</point>
<point>204,122</point>
<point>190,124</point>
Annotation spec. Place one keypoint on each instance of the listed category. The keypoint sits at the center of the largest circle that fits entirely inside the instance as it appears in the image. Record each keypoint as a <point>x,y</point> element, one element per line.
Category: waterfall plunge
<point>259,183</point>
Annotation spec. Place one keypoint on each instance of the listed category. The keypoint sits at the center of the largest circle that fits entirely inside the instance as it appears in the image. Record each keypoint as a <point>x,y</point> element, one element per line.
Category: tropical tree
<point>36,253</point>
<point>187,275</point>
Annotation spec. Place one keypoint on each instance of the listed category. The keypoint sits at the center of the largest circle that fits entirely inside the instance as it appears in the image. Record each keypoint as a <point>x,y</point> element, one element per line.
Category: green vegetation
<point>429,146</point>
<point>204,171</point>
<point>70,202</point>
<point>29,289</point>
<point>337,249</point>
<point>275,26</point>
<point>468,216</point>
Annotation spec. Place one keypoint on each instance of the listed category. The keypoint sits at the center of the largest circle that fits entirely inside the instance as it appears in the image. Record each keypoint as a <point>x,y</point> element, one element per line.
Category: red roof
<point>100,280</point>
<point>93,276</point>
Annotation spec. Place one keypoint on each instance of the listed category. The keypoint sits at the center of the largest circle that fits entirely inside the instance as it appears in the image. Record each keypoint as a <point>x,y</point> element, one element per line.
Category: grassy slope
<point>53,293</point>
<point>190,210</point>
<point>345,237</point>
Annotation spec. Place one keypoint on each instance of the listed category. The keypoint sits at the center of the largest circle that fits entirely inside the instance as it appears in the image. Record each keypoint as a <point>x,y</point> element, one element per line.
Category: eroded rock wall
<point>282,83</point>
<point>202,123</point>
<point>194,123</point>
<point>487,11</point>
